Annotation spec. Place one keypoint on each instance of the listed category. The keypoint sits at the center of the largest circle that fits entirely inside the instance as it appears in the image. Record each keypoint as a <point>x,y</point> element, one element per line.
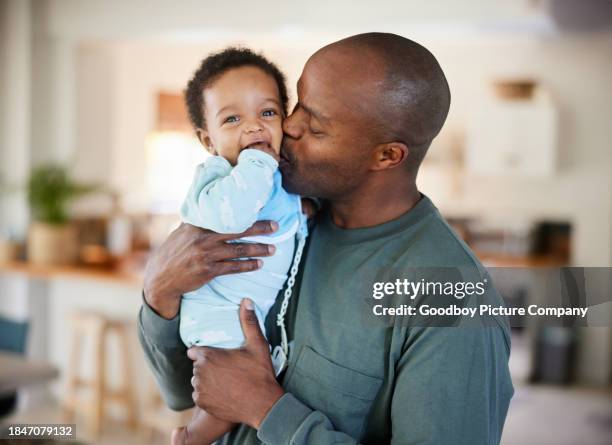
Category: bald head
<point>410,93</point>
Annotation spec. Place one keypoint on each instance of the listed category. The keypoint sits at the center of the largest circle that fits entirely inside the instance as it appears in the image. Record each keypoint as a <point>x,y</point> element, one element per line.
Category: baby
<point>237,100</point>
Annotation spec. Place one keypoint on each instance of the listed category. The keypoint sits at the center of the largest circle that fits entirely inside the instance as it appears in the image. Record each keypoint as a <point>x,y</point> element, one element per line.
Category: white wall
<point>52,88</point>
<point>117,19</point>
<point>15,50</point>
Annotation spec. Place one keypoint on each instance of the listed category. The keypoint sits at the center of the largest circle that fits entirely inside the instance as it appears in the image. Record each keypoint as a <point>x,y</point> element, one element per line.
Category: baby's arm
<point>228,200</point>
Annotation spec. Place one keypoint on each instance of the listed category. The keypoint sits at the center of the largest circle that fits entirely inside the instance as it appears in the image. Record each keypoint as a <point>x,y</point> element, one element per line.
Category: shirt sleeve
<point>167,357</point>
<point>228,200</point>
<point>291,422</point>
<point>451,386</point>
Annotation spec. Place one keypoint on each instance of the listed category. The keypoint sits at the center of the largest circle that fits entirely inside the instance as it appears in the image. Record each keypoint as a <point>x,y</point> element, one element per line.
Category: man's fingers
<point>250,324</point>
<point>259,228</point>
<point>231,267</point>
<point>232,251</point>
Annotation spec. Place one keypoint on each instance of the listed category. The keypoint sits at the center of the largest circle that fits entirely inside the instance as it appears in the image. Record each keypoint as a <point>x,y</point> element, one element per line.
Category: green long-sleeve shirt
<point>354,377</point>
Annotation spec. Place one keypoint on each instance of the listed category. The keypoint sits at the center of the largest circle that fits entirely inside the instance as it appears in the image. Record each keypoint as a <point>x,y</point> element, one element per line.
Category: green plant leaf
<point>50,191</point>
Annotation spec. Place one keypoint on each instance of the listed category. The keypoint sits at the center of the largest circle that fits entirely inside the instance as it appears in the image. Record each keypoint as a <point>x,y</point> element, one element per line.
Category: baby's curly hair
<point>217,64</point>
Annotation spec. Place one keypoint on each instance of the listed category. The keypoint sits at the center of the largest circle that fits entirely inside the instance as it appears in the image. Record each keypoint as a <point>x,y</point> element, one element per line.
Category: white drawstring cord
<point>281,353</point>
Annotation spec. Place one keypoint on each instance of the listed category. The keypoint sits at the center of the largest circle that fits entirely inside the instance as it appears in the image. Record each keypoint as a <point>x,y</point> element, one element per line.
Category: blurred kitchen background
<point>96,154</point>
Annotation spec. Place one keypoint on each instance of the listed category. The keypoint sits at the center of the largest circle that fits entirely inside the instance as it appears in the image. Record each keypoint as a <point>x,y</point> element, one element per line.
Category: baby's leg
<point>203,323</point>
<point>203,429</point>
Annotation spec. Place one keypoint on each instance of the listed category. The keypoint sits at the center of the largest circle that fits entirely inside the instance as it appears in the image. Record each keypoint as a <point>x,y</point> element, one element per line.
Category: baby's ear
<point>205,140</point>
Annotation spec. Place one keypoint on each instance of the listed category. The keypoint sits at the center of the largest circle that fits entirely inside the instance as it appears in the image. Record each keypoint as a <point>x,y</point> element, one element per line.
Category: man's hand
<point>237,385</point>
<point>192,256</point>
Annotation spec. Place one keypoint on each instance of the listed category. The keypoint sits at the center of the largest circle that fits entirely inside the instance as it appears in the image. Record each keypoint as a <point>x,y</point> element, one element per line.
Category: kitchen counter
<point>45,272</point>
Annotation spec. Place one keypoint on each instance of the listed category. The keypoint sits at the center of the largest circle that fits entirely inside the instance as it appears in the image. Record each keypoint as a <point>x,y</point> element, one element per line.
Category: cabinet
<point>513,137</point>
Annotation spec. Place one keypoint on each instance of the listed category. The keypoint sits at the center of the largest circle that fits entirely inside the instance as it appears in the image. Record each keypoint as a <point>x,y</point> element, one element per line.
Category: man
<point>368,108</point>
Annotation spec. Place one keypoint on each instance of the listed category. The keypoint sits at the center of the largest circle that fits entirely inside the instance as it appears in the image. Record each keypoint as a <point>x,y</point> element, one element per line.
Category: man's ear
<point>390,155</point>
<point>205,140</point>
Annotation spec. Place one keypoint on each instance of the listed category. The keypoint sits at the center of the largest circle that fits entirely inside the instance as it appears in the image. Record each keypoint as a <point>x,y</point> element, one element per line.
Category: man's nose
<point>292,126</point>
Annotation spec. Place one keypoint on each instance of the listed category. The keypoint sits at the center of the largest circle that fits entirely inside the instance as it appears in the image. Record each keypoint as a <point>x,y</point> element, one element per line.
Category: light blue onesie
<point>228,199</point>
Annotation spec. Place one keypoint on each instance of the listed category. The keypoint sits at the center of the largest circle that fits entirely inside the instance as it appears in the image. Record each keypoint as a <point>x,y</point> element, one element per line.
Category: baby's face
<point>242,109</point>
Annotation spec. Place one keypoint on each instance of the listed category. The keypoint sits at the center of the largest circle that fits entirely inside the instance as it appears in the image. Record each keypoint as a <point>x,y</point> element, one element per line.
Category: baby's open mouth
<point>257,144</point>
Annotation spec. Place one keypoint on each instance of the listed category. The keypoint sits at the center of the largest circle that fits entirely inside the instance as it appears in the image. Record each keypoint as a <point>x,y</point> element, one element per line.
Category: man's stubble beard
<point>329,182</point>
<point>292,182</point>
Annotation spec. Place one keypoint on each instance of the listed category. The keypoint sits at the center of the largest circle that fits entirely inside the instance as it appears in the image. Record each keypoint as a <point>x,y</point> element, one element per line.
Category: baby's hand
<point>266,148</point>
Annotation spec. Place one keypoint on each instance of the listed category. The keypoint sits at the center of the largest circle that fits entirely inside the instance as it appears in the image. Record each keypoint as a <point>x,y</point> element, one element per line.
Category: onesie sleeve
<point>228,200</point>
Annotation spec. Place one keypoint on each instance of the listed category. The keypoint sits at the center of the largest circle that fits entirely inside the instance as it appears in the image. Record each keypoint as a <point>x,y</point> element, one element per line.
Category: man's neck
<point>374,207</point>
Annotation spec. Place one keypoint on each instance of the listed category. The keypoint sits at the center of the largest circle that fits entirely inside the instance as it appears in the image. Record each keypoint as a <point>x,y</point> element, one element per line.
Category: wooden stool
<point>98,327</point>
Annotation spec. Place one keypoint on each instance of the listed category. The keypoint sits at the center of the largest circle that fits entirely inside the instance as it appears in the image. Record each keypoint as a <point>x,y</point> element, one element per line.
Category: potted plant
<point>52,239</point>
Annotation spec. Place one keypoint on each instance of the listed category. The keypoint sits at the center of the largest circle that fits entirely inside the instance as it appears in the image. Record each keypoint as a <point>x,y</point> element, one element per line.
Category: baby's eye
<point>315,131</point>
<point>231,119</point>
<point>269,113</point>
